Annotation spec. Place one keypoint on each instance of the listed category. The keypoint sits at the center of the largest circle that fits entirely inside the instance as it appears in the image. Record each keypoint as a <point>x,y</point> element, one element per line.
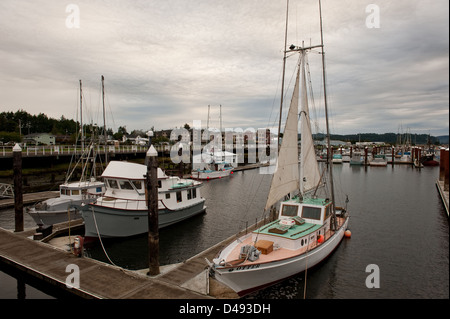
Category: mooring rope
<point>99,237</point>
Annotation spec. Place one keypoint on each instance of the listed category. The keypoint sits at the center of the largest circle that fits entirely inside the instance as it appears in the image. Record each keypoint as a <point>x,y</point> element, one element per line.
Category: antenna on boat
<point>284,70</point>
<point>330,153</point>
<point>104,120</point>
<point>81,123</point>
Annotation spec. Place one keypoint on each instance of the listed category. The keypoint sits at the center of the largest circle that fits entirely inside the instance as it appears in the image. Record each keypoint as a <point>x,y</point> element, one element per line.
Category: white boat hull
<point>255,276</point>
<point>114,222</point>
<point>205,175</point>
<point>53,217</point>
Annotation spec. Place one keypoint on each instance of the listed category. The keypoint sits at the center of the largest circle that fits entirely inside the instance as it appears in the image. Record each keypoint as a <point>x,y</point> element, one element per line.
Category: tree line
<point>14,125</point>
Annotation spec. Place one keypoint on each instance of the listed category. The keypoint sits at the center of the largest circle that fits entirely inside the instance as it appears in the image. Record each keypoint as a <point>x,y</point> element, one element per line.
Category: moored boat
<point>356,159</point>
<point>378,160</point>
<point>213,162</point>
<point>337,159</point>
<point>122,211</point>
<point>60,209</point>
<point>307,228</point>
<point>72,193</point>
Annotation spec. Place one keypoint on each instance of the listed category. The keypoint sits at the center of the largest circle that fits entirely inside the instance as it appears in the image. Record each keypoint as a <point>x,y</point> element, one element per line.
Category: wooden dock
<point>29,198</point>
<point>98,280</point>
<point>444,194</point>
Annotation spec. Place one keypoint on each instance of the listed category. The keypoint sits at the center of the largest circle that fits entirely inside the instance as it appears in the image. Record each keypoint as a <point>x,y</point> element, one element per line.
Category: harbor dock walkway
<point>98,280</point>
<point>29,198</point>
<point>444,194</point>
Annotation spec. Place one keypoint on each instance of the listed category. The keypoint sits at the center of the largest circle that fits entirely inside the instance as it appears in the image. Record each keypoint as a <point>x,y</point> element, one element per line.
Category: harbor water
<point>399,246</point>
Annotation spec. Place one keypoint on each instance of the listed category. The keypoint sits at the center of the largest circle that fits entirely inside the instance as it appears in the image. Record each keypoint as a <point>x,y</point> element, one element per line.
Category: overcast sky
<point>165,61</point>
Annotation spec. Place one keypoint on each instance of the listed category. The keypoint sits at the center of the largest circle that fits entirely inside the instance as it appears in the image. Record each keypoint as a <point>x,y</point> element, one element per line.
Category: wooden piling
<point>444,168</point>
<point>366,150</point>
<point>152,205</point>
<point>18,194</point>
<point>393,155</point>
<point>442,165</point>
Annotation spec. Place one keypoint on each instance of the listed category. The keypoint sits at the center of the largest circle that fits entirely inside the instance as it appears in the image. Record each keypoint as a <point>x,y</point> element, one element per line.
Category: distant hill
<point>443,139</point>
<point>390,138</point>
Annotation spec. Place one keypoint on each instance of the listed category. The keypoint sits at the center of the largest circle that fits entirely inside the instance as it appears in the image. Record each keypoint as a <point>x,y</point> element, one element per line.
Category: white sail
<point>309,168</point>
<point>286,177</point>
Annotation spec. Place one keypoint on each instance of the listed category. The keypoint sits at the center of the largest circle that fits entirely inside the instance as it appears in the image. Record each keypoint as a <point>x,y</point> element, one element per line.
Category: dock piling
<point>152,206</point>
<point>18,195</point>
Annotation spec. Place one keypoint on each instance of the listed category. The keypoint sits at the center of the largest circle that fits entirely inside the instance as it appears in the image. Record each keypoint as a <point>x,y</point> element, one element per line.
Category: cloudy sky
<point>165,61</point>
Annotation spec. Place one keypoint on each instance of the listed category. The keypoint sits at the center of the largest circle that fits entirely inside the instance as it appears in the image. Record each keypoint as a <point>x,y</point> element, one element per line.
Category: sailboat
<point>71,193</point>
<point>307,228</point>
<point>213,162</point>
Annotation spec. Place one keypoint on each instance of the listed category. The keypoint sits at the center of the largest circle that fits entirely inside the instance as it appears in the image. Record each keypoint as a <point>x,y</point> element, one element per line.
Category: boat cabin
<point>81,190</point>
<point>300,222</point>
<point>310,210</point>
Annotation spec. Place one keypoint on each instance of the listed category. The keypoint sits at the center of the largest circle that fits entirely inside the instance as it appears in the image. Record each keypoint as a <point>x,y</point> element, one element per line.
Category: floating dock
<point>444,194</point>
<point>29,198</point>
<point>97,280</point>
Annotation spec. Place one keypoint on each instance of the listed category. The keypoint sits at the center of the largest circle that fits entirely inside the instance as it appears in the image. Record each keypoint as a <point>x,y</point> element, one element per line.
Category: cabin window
<point>167,195</point>
<point>159,184</point>
<point>189,194</point>
<point>311,212</point>
<point>194,193</point>
<point>63,191</point>
<point>289,210</point>
<point>327,211</point>
<point>125,185</point>
<point>137,184</point>
<point>113,183</point>
<point>75,192</point>
<point>179,198</point>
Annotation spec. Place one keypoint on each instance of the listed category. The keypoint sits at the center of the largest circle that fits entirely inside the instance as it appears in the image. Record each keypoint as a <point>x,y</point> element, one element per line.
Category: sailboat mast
<point>330,155</point>
<point>104,120</point>
<point>284,70</point>
<point>81,123</point>
<point>220,115</point>
<point>207,120</point>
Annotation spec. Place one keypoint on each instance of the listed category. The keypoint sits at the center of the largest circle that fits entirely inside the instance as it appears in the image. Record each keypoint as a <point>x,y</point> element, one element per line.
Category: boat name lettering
<point>245,267</point>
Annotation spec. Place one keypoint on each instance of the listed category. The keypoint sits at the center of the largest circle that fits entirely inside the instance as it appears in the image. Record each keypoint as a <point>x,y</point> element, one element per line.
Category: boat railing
<point>122,203</point>
<point>126,203</point>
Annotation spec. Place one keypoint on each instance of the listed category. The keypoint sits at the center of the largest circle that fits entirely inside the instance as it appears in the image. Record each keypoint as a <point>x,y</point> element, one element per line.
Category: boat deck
<point>233,259</point>
<point>294,232</point>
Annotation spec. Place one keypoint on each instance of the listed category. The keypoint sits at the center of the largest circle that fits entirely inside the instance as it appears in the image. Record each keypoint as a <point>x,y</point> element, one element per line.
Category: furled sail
<point>286,177</point>
<point>309,168</point>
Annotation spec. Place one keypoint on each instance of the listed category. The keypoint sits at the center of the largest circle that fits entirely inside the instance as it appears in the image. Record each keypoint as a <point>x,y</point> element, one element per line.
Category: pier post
<point>442,165</point>
<point>366,150</point>
<point>393,155</point>
<point>152,206</point>
<point>18,196</point>
<point>444,168</point>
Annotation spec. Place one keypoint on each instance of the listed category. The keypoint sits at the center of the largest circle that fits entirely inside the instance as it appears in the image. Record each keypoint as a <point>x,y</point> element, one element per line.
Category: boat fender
<point>320,239</point>
<point>348,233</point>
<point>78,246</point>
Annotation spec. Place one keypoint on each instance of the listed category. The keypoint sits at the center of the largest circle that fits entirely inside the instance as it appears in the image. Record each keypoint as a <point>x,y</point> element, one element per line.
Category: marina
<point>407,197</point>
<point>226,215</point>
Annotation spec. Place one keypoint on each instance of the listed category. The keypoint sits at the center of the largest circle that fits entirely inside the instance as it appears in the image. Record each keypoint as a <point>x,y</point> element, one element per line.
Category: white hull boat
<point>245,276</point>
<point>207,174</point>
<point>61,209</point>
<point>122,211</point>
<point>307,228</point>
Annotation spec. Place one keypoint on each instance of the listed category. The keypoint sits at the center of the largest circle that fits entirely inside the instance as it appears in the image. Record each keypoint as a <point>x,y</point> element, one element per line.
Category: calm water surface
<point>397,221</point>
